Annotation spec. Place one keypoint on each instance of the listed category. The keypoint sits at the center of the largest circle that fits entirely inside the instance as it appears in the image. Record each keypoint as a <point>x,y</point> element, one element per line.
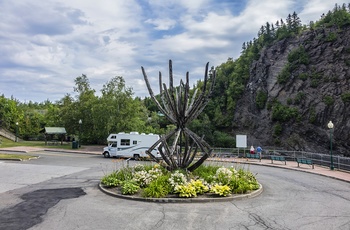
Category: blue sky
<point>45,45</point>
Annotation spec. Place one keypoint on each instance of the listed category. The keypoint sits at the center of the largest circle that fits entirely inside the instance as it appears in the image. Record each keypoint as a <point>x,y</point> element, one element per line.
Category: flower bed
<point>153,181</point>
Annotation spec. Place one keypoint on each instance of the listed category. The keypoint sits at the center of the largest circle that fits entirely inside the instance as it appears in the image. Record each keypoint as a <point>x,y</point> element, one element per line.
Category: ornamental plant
<point>177,178</point>
<point>186,190</point>
<point>129,187</point>
<point>223,175</point>
<point>199,186</point>
<point>221,190</point>
<point>158,188</point>
<point>110,180</point>
<point>143,177</point>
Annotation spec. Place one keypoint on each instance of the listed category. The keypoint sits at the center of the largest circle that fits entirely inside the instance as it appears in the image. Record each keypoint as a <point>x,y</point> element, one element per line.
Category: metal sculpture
<point>180,147</point>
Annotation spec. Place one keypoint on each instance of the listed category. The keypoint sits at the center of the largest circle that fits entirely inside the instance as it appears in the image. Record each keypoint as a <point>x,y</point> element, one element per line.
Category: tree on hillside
<point>296,23</point>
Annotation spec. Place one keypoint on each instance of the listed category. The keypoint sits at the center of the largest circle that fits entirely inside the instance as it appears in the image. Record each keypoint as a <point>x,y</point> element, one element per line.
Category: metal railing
<point>339,162</point>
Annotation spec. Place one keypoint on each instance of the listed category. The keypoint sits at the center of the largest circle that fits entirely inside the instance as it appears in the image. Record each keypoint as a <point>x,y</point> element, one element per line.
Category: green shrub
<point>186,190</point>
<point>242,187</point>
<point>283,113</point>
<point>221,190</point>
<point>299,97</point>
<point>345,97</point>
<point>223,175</point>
<point>328,100</point>
<point>303,76</point>
<point>158,188</point>
<point>283,76</point>
<point>124,174</point>
<point>199,186</point>
<point>315,79</point>
<point>110,180</point>
<point>129,187</point>
<point>277,129</point>
<point>251,179</point>
<point>261,98</point>
<point>312,115</point>
<point>206,172</point>
<point>298,56</point>
<point>314,83</point>
<point>331,37</point>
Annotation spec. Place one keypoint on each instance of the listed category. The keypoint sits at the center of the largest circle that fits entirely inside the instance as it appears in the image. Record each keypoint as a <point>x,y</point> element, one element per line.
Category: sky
<point>46,44</point>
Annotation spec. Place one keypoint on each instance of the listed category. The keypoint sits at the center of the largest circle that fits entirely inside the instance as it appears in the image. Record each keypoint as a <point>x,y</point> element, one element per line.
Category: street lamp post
<point>80,122</point>
<point>16,139</point>
<point>331,126</point>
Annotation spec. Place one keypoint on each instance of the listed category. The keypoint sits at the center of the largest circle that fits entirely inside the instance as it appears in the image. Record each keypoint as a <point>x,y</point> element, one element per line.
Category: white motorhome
<point>130,145</point>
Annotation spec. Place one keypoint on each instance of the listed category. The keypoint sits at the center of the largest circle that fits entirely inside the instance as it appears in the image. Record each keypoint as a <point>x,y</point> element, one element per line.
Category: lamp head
<point>80,121</point>
<point>330,125</point>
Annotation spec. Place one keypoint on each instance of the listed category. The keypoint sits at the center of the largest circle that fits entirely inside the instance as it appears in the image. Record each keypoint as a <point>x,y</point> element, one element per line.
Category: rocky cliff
<point>296,87</point>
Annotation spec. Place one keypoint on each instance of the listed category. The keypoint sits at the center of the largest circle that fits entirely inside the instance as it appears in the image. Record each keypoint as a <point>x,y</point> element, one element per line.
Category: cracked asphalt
<point>59,191</point>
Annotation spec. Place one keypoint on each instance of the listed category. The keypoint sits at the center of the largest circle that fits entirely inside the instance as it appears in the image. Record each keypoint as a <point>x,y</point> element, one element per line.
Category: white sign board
<point>241,141</point>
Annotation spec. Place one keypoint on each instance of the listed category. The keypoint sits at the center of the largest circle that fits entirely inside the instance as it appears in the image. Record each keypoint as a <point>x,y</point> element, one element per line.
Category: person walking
<point>252,150</point>
<point>259,151</point>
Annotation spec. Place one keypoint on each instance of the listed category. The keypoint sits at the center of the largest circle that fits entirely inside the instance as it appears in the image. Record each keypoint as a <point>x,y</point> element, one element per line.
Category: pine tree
<point>277,25</point>
<point>296,23</point>
<point>244,47</point>
<point>289,22</point>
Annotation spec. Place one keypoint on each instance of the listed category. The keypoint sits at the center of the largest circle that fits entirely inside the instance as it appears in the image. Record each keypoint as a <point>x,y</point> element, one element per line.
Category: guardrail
<point>339,162</point>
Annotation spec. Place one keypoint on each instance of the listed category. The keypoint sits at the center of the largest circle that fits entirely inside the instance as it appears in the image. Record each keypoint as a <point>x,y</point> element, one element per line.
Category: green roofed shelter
<point>51,133</point>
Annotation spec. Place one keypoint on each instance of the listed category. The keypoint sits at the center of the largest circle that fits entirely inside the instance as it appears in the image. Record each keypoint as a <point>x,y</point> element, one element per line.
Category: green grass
<point>14,156</point>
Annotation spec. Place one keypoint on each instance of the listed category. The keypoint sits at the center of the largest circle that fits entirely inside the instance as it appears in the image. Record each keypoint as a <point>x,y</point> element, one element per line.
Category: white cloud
<point>313,9</point>
<point>162,24</point>
<point>45,45</point>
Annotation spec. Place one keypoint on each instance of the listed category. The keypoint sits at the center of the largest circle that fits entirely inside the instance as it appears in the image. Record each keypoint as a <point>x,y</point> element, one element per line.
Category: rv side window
<point>125,142</point>
<point>114,137</point>
<point>134,142</point>
<point>114,145</point>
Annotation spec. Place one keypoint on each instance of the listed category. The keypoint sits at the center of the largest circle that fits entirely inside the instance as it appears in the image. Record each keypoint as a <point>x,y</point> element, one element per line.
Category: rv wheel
<point>106,154</point>
<point>136,157</point>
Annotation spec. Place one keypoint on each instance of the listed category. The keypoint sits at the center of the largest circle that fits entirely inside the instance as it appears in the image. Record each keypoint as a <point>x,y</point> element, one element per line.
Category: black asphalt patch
<point>34,205</point>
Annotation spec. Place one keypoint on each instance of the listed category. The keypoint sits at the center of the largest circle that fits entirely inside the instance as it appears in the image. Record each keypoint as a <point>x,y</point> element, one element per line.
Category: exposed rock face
<point>314,89</point>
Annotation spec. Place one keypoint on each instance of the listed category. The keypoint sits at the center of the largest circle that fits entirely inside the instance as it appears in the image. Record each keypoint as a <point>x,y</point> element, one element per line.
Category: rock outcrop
<point>317,89</point>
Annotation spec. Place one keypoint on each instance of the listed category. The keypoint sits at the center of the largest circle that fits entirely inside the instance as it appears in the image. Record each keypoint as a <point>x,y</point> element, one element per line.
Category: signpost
<point>241,142</point>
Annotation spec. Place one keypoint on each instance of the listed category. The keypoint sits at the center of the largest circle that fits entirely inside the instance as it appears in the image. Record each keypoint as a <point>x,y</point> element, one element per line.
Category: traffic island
<point>205,198</point>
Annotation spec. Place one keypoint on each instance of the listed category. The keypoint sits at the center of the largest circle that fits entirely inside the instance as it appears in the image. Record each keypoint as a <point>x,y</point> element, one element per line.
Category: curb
<point>19,159</point>
<point>253,194</point>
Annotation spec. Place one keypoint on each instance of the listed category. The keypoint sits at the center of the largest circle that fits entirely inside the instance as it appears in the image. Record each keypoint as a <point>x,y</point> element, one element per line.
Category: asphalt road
<point>59,191</point>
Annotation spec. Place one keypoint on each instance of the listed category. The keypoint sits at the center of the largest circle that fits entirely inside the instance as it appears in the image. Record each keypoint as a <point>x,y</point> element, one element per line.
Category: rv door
<point>112,149</point>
